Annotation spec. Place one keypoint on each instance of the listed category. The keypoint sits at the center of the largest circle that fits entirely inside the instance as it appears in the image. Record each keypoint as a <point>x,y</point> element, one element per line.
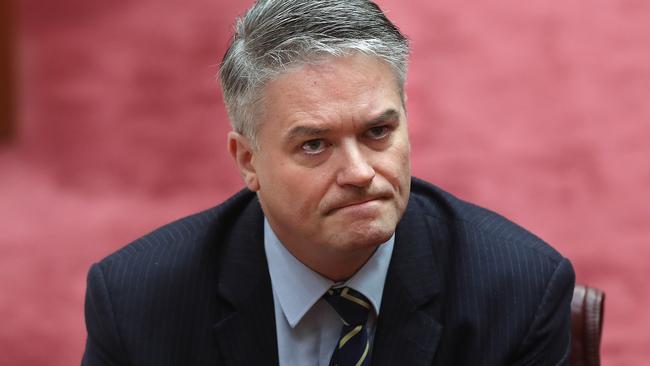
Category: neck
<point>334,266</point>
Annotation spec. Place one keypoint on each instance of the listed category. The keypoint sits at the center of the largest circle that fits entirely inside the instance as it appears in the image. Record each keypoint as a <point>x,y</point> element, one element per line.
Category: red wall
<point>536,109</point>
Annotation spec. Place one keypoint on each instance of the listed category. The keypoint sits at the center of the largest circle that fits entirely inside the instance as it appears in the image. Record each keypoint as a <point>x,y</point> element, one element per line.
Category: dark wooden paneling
<point>7,95</point>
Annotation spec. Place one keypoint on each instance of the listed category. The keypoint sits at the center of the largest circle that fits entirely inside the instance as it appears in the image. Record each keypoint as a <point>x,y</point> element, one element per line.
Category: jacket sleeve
<point>103,344</point>
<point>548,341</point>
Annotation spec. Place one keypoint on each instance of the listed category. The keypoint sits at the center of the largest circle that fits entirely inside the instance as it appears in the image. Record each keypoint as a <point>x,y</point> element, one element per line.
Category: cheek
<point>398,172</point>
<point>405,156</point>
<point>297,190</point>
<point>397,163</point>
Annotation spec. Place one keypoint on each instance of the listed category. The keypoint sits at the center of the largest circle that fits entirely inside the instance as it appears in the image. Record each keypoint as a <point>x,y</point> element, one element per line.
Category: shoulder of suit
<point>459,215</point>
<point>185,234</point>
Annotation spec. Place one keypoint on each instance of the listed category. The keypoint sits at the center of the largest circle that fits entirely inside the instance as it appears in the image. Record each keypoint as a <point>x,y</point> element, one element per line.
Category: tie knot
<point>352,307</point>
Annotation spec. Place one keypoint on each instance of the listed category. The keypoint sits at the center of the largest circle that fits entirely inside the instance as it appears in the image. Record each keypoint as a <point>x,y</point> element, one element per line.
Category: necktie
<point>353,308</point>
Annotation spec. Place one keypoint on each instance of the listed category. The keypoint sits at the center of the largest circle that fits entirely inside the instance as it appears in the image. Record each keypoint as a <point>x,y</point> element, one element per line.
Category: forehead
<point>335,89</point>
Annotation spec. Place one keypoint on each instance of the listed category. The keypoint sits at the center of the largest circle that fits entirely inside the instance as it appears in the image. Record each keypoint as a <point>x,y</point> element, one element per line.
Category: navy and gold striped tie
<point>353,308</point>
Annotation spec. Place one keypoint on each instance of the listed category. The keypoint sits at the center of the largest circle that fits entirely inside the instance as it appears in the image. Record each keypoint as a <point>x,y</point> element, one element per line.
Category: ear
<point>242,152</point>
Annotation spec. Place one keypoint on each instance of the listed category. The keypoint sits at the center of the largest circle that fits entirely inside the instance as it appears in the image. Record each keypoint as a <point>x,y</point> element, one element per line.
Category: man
<point>333,255</point>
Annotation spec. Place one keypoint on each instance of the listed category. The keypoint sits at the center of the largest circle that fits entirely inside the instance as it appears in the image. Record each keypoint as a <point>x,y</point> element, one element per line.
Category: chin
<point>362,238</point>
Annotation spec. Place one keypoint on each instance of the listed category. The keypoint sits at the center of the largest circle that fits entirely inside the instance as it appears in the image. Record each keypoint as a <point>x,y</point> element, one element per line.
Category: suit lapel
<point>408,329</point>
<point>245,327</point>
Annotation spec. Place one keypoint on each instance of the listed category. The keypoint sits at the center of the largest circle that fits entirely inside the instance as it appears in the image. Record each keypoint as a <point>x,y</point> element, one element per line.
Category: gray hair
<point>274,35</point>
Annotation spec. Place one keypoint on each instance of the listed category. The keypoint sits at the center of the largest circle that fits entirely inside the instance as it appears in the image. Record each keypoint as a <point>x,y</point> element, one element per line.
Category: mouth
<point>357,204</point>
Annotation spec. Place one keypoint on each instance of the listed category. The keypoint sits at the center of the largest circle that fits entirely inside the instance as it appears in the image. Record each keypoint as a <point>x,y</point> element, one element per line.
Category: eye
<point>313,147</point>
<point>379,132</point>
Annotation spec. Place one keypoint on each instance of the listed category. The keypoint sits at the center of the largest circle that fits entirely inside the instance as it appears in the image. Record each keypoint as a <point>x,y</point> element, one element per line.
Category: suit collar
<point>408,329</point>
<point>245,332</point>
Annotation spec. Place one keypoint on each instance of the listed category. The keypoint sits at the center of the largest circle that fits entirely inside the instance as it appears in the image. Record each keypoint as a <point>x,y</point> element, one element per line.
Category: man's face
<point>332,171</point>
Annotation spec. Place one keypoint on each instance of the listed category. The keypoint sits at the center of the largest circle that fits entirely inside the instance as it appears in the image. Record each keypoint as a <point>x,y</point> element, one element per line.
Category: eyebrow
<point>297,131</point>
<point>388,115</point>
<point>309,131</point>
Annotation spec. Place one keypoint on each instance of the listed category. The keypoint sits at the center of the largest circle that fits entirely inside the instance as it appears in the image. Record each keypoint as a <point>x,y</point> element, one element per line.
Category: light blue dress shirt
<point>307,327</point>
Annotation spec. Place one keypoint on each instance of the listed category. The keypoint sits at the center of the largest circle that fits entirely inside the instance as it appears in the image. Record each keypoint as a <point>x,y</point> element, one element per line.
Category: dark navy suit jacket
<point>464,287</point>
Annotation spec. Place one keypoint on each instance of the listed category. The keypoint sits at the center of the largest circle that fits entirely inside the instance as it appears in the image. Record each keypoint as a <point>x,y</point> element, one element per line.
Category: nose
<point>355,169</point>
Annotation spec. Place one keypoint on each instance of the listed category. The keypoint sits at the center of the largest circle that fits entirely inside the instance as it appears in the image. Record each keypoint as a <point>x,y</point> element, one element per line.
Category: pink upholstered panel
<point>537,109</point>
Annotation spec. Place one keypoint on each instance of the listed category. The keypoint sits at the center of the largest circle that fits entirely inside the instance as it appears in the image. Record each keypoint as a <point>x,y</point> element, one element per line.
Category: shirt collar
<point>298,288</point>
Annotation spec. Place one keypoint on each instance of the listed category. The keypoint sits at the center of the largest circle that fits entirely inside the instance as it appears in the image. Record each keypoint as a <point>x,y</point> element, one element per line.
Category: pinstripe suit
<point>465,287</point>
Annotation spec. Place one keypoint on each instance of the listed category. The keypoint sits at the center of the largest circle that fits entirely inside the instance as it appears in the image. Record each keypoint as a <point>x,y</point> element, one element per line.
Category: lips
<point>357,202</point>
